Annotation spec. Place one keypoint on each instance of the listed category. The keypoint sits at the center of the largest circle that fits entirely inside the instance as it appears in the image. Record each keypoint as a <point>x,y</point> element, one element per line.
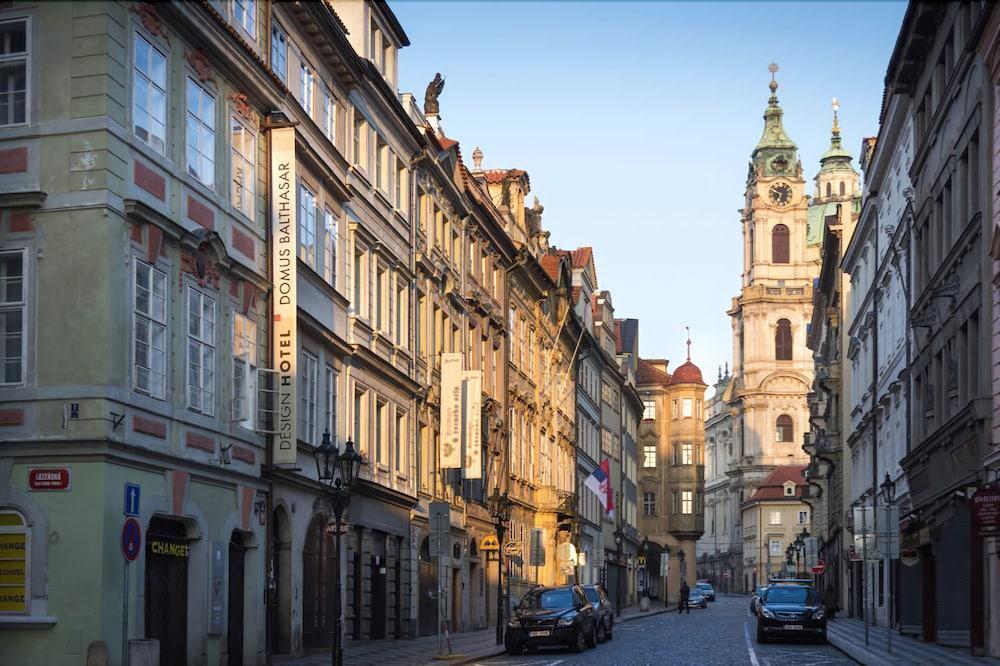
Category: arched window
<point>16,537</point>
<point>779,244</point>
<point>843,188</point>
<point>783,430</point>
<point>829,191</point>
<point>783,341</point>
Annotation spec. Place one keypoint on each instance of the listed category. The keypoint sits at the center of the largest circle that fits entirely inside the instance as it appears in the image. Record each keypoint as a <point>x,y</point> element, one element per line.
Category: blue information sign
<point>131,499</point>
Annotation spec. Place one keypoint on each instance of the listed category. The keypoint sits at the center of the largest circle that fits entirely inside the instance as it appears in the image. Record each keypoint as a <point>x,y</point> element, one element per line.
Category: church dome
<point>687,373</point>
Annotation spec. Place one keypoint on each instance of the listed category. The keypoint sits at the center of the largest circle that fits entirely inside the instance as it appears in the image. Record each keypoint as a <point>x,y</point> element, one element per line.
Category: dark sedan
<point>791,611</point>
<point>552,616</point>
<point>605,613</point>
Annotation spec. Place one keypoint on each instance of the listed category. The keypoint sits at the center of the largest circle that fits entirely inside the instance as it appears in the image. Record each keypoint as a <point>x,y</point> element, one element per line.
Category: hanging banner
<point>473,424</point>
<point>284,340</point>
<point>451,411</point>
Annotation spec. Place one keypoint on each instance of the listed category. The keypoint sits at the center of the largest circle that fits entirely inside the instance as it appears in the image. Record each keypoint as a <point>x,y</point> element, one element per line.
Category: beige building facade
<point>772,518</point>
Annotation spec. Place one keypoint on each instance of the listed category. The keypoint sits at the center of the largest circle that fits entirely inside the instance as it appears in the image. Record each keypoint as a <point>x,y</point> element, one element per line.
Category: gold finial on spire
<point>773,68</point>
<point>688,329</point>
<point>836,122</point>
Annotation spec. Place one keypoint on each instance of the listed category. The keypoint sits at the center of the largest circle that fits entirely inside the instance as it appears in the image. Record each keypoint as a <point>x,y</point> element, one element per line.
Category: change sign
<point>986,511</point>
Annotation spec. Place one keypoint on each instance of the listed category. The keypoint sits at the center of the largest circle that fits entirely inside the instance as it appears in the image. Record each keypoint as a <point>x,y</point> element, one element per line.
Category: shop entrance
<point>427,611</point>
<point>279,581</point>
<point>166,588</point>
<point>234,631</point>
<point>317,586</point>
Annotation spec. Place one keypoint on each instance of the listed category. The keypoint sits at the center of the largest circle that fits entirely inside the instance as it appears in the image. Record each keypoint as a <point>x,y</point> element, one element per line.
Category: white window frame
<point>244,370</point>
<point>153,319</point>
<point>649,456</point>
<point>329,116</point>
<point>21,306</point>
<point>803,517</point>
<point>383,298</point>
<point>331,385</point>
<point>330,247</point>
<point>307,225</point>
<point>248,20</point>
<point>308,386</point>
<point>26,57</point>
<point>774,518</point>
<point>196,122</point>
<point>243,189</point>
<point>307,87</point>
<point>687,406</point>
<point>648,410</point>
<point>279,47</point>
<point>164,88</point>
<point>382,424</point>
<point>401,449</point>
<point>201,395</point>
<point>648,503</point>
<point>774,548</point>
<point>402,332</point>
<point>687,502</point>
<point>360,277</point>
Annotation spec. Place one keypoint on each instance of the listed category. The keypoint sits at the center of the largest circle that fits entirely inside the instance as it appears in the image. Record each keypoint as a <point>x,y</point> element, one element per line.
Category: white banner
<point>451,411</point>
<point>284,340</point>
<point>473,424</point>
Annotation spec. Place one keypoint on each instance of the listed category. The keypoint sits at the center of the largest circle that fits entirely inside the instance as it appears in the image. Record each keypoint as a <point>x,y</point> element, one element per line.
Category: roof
<point>581,256</point>
<point>650,374</point>
<point>550,264</point>
<point>687,373</point>
<point>773,487</point>
<point>500,175</point>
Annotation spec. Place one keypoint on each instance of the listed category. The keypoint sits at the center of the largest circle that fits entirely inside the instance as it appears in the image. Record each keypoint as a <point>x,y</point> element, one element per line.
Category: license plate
<point>793,626</point>
<point>533,634</point>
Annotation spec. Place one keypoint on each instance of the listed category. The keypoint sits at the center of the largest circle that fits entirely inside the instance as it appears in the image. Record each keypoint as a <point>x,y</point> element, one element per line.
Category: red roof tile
<point>650,374</point>
<point>550,263</point>
<point>773,487</point>
<point>582,256</point>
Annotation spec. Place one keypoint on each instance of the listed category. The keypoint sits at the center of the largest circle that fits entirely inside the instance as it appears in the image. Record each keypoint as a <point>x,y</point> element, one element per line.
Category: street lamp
<point>888,492</point>
<point>619,539</point>
<point>789,555</point>
<point>500,508</point>
<point>799,548</point>
<point>337,472</point>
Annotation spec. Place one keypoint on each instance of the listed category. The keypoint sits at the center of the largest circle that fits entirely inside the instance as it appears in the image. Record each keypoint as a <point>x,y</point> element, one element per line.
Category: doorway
<point>166,588</point>
<point>428,607</point>
<point>279,598</point>
<point>378,596</point>
<point>234,630</point>
<point>317,586</point>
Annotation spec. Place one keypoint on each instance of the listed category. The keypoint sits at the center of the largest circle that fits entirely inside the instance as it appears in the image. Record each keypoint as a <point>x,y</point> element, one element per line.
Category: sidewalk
<point>466,647</point>
<point>848,636</point>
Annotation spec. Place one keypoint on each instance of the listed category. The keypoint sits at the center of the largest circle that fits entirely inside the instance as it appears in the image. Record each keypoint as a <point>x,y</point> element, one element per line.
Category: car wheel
<point>608,633</point>
<point>592,637</point>
<point>513,647</point>
<point>532,649</point>
<point>580,642</point>
<point>761,638</point>
<point>602,633</point>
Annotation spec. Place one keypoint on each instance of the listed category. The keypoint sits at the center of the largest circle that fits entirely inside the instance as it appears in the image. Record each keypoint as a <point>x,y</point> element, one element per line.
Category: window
<point>330,247</point>
<point>803,517</point>
<point>783,431</point>
<point>382,299</point>
<point>649,504</point>
<point>244,143</point>
<point>774,548</point>
<point>789,489</point>
<point>686,408</point>
<point>279,52</point>
<point>245,13</point>
<point>330,402</point>
<point>200,133</point>
<point>360,278</point>
<point>775,518</point>
<point>783,341</point>
<point>149,339</point>
<point>329,116</point>
<point>244,370</point>
<point>361,420</point>
<point>402,187</point>
<point>201,352</point>
<point>14,72</point>
<point>843,188</point>
<point>648,410</point>
<point>149,95</point>
<point>779,244</point>
<point>13,313</point>
<point>381,165</point>
<point>402,452</point>
<point>402,310</point>
<point>687,502</point>
<point>381,433</point>
<point>15,586</point>
<point>307,82</point>
<point>360,140</point>
<point>307,225</point>
<point>307,400</point>
<point>649,456</point>
<point>684,453</point>
<point>676,409</point>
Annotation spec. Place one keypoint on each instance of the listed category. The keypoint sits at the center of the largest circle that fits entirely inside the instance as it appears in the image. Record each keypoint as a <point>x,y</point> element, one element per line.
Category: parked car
<point>707,589</point>
<point>696,598</point>
<point>791,611</point>
<point>598,597</point>
<point>755,597</point>
<point>552,616</point>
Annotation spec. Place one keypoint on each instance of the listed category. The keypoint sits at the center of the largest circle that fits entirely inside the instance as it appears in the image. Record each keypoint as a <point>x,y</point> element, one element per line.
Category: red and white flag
<point>600,483</point>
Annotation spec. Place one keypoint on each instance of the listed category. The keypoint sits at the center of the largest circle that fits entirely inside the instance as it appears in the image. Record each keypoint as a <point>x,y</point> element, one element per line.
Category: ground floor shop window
<point>15,559</point>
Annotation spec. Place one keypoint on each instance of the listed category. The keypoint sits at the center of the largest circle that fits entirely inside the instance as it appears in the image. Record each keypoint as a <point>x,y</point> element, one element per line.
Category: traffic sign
<point>132,492</point>
<point>820,567</point>
<point>512,548</point>
<point>909,556</point>
<point>489,542</point>
<point>131,539</point>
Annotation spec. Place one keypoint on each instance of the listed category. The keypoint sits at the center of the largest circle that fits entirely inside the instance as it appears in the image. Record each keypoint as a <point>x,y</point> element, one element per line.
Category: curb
<point>856,652</point>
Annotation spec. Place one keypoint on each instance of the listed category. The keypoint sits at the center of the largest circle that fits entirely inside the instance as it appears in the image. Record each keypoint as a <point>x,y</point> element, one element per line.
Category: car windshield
<point>705,586</point>
<point>549,599</point>
<point>695,591</point>
<point>791,594</point>
<point>592,594</point>
<point>760,590</point>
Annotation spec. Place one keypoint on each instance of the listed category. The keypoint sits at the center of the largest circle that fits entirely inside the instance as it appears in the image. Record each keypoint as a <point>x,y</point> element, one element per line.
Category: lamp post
<point>888,492</point>
<point>619,539</point>
<point>789,556</point>
<point>803,535</point>
<point>337,472</point>
<point>500,508</point>
<point>799,548</point>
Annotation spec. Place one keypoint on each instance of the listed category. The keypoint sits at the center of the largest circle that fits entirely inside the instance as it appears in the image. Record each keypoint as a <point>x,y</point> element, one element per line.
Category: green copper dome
<point>775,153</point>
<point>836,158</point>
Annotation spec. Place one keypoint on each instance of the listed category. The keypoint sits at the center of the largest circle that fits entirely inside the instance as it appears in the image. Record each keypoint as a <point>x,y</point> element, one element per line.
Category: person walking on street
<point>830,601</point>
<point>682,603</point>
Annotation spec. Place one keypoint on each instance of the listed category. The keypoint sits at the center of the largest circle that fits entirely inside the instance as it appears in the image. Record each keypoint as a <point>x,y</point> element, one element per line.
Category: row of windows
<point>685,453</point>
<point>685,503</point>
<point>686,408</point>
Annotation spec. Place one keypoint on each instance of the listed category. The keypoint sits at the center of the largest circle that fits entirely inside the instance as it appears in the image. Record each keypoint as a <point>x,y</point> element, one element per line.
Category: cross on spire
<point>773,68</point>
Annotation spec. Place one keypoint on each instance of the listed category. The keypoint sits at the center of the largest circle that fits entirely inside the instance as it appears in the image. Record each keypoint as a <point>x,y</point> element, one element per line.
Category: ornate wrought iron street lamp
<point>500,508</point>
<point>337,472</point>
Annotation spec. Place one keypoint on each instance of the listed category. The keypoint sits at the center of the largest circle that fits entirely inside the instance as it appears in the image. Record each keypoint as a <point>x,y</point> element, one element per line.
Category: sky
<point>635,122</point>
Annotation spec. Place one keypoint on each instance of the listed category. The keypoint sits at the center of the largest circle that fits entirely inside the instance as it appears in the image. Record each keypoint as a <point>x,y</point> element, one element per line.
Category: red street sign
<point>131,539</point>
<point>49,478</point>
<point>986,509</point>
<point>820,567</point>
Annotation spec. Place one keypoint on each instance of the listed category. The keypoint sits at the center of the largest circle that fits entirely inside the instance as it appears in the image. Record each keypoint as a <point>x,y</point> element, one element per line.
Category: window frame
<point>648,503</point>
<point>164,323</point>
<point>687,502</point>
<point>784,348</point>
<point>331,385</point>
<point>780,244</point>
<point>648,449</point>
<point>201,340</point>
<point>309,398</point>
<point>11,306</point>
<point>283,72</point>
<point>137,35</point>
<point>26,56</point>
<point>248,195</point>
<point>248,386</point>
<point>198,118</point>
<point>250,12</point>
<point>784,429</point>
<point>306,223</point>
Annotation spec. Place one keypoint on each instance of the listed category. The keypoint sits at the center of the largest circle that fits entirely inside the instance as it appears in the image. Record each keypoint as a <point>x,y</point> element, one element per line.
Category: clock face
<point>780,194</point>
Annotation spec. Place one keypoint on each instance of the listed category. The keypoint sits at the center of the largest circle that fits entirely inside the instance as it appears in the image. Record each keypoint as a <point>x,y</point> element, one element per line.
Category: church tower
<point>773,368</point>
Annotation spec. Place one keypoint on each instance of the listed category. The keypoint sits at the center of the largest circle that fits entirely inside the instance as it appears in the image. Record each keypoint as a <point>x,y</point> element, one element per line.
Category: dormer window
<point>789,489</point>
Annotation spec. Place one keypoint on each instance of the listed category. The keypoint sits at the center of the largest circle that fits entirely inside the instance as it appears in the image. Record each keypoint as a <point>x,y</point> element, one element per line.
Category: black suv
<point>790,611</point>
<point>552,616</point>
<point>602,607</point>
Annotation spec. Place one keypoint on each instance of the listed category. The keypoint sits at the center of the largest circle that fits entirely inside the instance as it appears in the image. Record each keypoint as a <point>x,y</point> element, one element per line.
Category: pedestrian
<point>682,603</point>
<point>830,601</point>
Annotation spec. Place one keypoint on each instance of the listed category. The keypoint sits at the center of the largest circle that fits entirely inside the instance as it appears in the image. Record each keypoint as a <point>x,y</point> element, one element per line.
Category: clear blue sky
<point>635,122</point>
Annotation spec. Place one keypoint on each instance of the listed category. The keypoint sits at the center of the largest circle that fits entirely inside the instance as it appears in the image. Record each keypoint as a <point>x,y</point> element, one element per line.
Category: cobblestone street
<point>720,634</point>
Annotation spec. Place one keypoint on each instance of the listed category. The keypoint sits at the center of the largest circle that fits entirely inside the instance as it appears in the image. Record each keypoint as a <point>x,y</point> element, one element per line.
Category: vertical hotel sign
<point>473,463</point>
<point>451,411</point>
<point>283,275</point>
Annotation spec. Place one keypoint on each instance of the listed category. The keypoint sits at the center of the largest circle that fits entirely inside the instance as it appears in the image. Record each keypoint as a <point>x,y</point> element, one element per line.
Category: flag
<point>600,483</point>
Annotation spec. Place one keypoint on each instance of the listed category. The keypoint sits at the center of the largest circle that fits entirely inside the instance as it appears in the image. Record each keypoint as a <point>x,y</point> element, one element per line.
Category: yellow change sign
<point>489,542</point>
<point>13,573</point>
